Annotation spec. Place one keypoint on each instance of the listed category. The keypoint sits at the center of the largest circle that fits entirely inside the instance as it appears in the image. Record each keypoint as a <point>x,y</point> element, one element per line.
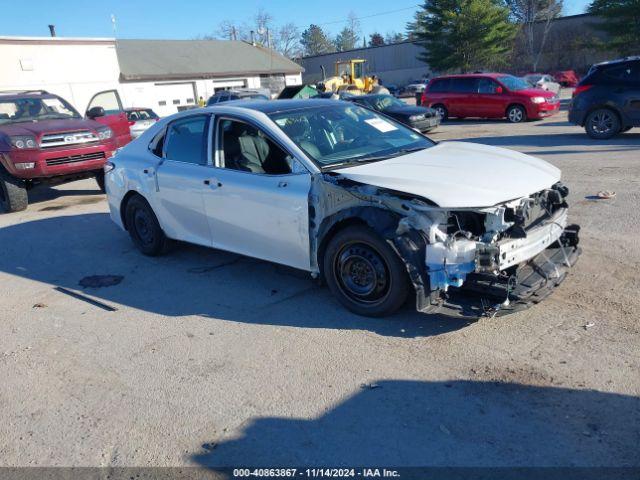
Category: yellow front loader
<point>349,77</point>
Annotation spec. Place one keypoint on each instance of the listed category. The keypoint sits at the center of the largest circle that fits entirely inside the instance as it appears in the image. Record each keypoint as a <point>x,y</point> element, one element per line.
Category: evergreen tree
<point>463,35</point>
<point>315,41</point>
<point>621,21</point>
<point>376,39</point>
<point>346,40</point>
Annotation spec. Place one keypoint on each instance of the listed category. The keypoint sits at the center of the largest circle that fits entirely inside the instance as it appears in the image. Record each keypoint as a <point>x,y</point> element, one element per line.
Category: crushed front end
<point>491,261</point>
<point>469,261</point>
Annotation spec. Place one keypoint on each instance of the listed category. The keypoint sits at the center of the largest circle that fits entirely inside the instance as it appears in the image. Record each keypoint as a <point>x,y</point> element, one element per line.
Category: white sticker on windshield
<point>381,125</point>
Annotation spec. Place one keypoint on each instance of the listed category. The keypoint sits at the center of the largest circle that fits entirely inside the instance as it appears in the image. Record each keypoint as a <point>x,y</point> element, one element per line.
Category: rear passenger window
<point>464,85</point>
<point>439,85</point>
<point>186,140</point>
<point>628,72</point>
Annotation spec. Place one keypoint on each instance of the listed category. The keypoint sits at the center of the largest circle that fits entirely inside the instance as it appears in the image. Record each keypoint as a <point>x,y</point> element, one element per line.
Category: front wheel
<point>516,114</point>
<point>13,193</point>
<point>144,229</point>
<point>602,124</point>
<point>364,273</point>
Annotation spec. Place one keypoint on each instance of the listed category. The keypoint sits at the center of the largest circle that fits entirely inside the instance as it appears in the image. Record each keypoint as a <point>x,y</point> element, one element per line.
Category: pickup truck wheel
<point>516,114</point>
<point>602,124</point>
<point>144,229</point>
<point>100,181</point>
<point>364,273</point>
<point>13,193</point>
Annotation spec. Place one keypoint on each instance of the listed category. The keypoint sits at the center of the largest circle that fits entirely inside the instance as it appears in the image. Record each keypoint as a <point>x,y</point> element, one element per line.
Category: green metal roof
<point>193,59</point>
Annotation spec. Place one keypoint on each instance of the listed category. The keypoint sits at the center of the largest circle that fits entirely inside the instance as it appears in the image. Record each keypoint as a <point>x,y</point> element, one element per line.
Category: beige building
<point>165,75</point>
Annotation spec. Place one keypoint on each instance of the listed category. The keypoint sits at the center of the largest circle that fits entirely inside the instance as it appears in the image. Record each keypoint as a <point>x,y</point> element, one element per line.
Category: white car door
<point>181,177</point>
<point>257,197</point>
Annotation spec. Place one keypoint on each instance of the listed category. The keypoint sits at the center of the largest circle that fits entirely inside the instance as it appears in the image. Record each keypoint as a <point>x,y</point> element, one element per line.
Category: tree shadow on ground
<point>450,423</point>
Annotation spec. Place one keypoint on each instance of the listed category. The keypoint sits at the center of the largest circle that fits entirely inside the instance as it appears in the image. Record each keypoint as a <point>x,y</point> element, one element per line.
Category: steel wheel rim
<point>515,115</point>
<point>602,122</point>
<point>143,227</point>
<point>362,274</point>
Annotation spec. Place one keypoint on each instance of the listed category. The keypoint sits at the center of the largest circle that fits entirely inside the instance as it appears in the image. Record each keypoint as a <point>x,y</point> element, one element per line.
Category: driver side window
<point>246,148</point>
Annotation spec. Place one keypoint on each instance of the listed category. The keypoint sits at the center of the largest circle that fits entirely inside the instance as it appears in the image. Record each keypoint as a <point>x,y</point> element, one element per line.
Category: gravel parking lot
<point>205,358</point>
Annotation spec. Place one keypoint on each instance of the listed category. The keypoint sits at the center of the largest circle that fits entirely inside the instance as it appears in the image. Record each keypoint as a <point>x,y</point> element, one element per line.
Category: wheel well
<point>605,107</point>
<point>515,105</point>
<point>123,206</point>
<point>330,233</point>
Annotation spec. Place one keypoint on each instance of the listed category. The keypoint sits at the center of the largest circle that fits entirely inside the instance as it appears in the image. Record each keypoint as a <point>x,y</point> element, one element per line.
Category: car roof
<point>134,109</point>
<point>468,75</point>
<point>634,58</point>
<point>273,106</point>
<point>16,94</point>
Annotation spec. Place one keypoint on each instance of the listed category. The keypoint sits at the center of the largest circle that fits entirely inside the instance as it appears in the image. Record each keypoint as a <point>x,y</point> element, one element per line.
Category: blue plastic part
<point>443,276</point>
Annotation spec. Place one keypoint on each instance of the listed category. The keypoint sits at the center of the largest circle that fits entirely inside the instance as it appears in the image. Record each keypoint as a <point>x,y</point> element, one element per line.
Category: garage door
<point>173,97</point>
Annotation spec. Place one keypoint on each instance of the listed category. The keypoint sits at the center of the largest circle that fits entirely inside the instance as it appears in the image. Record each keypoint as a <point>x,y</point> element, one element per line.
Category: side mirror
<point>499,90</point>
<point>95,112</point>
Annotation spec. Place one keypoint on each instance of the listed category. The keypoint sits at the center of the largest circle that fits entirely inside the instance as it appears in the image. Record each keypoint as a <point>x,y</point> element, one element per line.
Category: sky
<point>193,18</point>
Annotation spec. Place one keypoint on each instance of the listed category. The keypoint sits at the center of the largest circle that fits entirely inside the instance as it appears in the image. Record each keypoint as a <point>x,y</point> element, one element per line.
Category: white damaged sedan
<point>376,210</point>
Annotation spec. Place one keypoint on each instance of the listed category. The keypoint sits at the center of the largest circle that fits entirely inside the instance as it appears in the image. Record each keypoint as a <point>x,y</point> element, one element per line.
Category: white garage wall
<point>75,69</point>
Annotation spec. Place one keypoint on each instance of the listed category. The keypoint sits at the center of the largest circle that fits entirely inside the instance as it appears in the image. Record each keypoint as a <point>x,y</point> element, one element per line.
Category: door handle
<point>282,184</point>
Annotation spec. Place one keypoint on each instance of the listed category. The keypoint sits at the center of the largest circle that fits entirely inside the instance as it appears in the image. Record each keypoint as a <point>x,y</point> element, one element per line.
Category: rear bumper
<point>426,124</point>
<point>576,116</point>
<point>57,162</point>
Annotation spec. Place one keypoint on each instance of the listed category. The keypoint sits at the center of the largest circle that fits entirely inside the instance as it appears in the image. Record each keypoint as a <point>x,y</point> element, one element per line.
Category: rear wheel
<point>13,193</point>
<point>364,273</point>
<point>442,111</point>
<point>143,227</point>
<point>602,124</point>
<point>516,114</point>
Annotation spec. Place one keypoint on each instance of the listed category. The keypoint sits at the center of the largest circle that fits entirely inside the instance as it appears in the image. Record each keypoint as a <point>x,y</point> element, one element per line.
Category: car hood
<point>536,92</point>
<point>409,111</point>
<point>459,174</point>
<point>48,126</point>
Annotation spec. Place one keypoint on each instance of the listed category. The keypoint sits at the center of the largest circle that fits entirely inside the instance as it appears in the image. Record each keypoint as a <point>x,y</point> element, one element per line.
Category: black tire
<point>516,114</point>
<point>442,111</point>
<point>144,228</point>
<point>100,181</point>
<point>364,273</point>
<point>13,193</point>
<point>602,124</point>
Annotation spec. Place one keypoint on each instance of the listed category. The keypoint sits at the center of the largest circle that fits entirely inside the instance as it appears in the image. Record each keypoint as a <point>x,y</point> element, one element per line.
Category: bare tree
<point>287,41</point>
<point>535,18</point>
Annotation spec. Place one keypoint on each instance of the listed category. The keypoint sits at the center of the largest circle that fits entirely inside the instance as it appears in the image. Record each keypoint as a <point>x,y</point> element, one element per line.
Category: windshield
<point>384,102</point>
<point>344,134</point>
<point>16,110</point>
<point>514,83</point>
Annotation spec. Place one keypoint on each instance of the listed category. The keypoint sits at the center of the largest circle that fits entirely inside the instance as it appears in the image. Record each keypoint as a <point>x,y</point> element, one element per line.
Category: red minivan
<point>489,95</point>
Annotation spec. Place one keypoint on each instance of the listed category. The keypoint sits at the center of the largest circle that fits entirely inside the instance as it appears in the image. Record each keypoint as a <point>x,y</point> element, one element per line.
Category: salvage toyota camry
<point>376,210</point>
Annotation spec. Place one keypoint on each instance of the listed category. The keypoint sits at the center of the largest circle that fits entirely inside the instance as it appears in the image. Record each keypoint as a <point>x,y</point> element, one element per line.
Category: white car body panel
<point>280,218</point>
<point>262,216</point>
<point>459,174</point>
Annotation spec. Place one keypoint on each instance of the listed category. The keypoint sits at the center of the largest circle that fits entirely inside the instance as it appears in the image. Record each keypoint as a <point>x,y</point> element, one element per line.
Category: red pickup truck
<point>44,140</point>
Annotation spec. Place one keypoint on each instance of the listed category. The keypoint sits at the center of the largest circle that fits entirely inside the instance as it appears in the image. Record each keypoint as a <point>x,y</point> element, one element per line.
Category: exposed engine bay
<point>502,257</point>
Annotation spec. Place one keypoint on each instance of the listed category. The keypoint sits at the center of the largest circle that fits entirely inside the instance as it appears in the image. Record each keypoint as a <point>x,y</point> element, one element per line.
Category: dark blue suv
<point>607,100</point>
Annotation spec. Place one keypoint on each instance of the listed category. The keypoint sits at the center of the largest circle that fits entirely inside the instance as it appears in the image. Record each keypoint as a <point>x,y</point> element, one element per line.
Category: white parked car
<point>140,119</point>
<point>379,211</point>
<point>545,82</point>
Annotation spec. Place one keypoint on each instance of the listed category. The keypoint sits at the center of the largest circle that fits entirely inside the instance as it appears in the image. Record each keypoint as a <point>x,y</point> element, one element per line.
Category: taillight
<point>423,98</point>
<point>581,88</point>
<point>131,123</point>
